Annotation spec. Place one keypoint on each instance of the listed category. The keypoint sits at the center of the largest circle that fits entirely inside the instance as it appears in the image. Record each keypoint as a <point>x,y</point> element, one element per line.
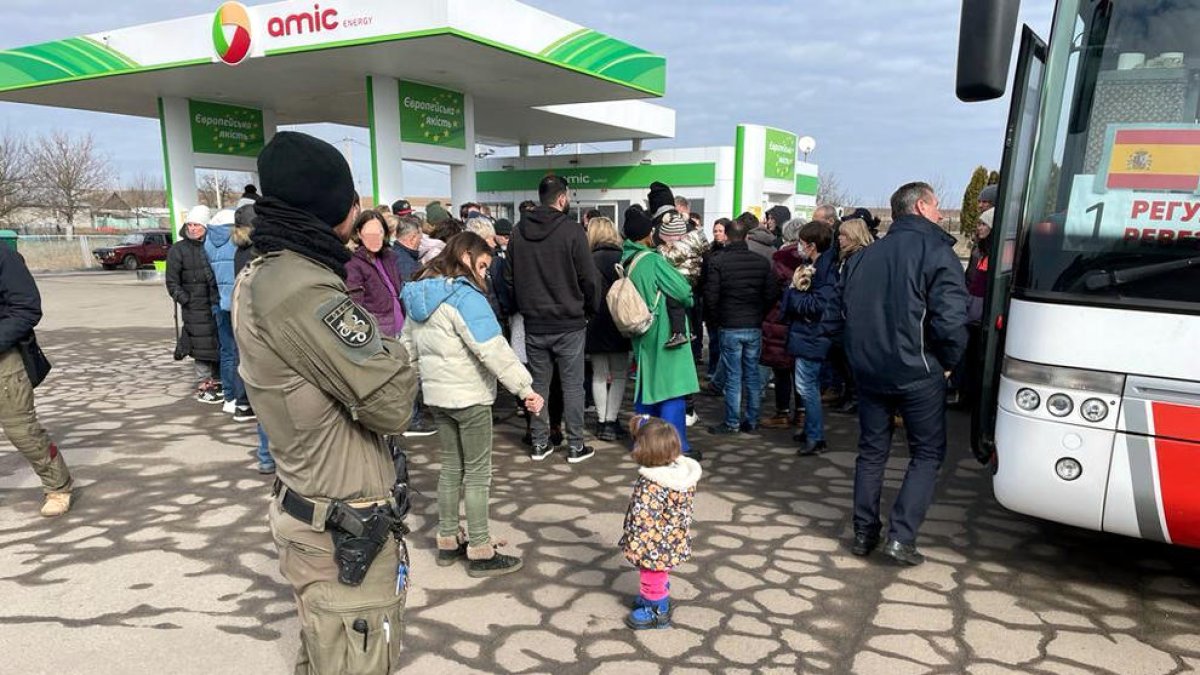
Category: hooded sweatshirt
<point>452,335</point>
<point>554,277</point>
<point>761,241</point>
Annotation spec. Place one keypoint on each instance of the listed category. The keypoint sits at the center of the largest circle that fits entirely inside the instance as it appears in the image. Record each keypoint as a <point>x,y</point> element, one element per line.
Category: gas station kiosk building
<point>431,79</point>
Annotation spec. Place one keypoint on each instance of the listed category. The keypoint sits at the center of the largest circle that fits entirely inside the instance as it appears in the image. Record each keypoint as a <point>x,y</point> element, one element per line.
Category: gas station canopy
<point>429,78</point>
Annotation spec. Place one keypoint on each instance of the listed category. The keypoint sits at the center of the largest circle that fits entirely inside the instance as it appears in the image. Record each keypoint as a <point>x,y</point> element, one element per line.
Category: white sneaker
<point>229,407</point>
<point>691,419</point>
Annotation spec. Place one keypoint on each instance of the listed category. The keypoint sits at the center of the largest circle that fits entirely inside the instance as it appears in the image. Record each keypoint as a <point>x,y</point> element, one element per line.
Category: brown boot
<point>777,421</point>
<point>487,562</point>
<point>451,549</point>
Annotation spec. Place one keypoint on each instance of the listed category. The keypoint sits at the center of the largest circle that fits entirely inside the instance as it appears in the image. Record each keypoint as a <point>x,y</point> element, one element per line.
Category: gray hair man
<point>902,313</point>
<point>408,244</point>
<point>827,214</point>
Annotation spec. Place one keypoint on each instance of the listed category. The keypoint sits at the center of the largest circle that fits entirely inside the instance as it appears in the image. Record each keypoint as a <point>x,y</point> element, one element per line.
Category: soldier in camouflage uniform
<point>327,388</point>
<point>20,311</point>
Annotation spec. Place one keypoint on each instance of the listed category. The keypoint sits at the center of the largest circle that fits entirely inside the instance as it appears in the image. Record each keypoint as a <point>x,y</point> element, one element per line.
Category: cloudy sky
<point>872,81</point>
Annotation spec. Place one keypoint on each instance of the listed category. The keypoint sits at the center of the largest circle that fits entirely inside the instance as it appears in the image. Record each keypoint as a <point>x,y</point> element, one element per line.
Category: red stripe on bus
<point>1158,137</point>
<point>1153,181</point>
<point>1179,484</point>
<point>1180,422</point>
<point>1178,471</point>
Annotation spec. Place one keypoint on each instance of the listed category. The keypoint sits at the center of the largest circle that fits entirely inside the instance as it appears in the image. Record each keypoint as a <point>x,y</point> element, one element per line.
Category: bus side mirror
<point>985,43</point>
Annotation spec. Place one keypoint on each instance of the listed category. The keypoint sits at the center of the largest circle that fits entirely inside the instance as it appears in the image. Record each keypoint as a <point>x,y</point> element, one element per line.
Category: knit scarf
<point>281,227</point>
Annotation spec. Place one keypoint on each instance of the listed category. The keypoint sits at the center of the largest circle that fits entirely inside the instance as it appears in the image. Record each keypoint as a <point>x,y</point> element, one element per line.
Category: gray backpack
<point>629,311</point>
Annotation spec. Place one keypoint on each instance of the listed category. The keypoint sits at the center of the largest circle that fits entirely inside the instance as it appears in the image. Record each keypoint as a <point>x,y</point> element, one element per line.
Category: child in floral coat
<point>659,518</point>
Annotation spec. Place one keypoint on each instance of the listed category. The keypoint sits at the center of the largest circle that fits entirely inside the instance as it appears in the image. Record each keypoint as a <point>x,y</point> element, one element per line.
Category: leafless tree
<point>68,170</point>
<point>831,191</point>
<point>217,190</point>
<point>15,171</point>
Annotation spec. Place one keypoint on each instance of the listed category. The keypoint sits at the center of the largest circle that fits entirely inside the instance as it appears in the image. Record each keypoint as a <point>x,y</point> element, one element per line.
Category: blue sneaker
<point>650,614</point>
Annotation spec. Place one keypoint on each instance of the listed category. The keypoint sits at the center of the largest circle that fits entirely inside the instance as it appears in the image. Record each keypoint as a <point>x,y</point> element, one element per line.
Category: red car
<point>135,250</point>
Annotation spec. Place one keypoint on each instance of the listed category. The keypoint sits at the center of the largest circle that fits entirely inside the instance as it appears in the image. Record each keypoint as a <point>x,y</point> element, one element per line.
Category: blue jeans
<point>235,389</point>
<point>740,350</point>
<point>808,387</point>
<point>924,412</point>
<point>263,452</point>
<point>673,411</point>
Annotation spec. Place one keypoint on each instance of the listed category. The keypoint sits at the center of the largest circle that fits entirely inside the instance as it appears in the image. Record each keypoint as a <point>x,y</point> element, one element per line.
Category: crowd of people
<point>393,322</point>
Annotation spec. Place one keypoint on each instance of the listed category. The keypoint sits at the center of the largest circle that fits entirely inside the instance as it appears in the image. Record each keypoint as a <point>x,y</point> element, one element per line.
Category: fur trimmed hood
<point>683,474</point>
<point>241,236</point>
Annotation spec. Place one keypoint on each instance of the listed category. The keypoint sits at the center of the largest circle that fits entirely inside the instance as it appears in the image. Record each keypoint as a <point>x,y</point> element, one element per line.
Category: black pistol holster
<point>358,533</point>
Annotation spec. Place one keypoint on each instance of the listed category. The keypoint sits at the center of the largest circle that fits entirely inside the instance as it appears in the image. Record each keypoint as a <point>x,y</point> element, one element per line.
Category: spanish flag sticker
<point>1155,159</point>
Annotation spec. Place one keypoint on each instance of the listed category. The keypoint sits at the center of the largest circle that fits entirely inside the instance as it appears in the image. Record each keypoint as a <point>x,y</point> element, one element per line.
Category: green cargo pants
<point>466,437</point>
<point>20,423</point>
<point>330,643</point>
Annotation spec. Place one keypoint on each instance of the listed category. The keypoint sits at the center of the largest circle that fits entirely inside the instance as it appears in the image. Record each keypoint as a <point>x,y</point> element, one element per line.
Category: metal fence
<point>52,252</point>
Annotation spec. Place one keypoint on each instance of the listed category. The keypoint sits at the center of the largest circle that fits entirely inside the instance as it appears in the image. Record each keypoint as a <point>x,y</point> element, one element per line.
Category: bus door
<point>1007,231</point>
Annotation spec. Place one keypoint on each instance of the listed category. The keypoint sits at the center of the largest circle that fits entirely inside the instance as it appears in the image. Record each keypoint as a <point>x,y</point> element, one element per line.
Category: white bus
<point>1090,411</point>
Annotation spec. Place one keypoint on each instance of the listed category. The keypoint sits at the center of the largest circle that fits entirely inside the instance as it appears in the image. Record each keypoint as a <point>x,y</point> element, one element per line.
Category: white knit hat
<point>199,214</point>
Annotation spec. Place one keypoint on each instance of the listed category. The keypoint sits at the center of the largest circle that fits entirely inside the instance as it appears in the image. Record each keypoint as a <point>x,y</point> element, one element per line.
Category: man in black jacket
<point>902,308</point>
<point>739,290</point>
<point>554,285</point>
<point>20,311</point>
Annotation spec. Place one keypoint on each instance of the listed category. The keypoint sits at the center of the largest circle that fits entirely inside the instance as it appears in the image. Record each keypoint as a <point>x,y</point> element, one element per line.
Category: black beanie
<point>638,225</point>
<point>662,200</point>
<point>503,227</point>
<point>308,174</point>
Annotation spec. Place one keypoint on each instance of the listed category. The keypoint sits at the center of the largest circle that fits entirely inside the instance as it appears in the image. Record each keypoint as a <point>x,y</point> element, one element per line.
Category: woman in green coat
<point>664,376</point>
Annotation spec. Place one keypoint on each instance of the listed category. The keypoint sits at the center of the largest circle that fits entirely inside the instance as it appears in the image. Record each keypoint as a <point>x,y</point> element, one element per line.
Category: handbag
<point>37,366</point>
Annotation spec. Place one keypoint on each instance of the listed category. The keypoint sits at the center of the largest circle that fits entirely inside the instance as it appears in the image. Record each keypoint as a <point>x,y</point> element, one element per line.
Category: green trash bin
<point>9,238</point>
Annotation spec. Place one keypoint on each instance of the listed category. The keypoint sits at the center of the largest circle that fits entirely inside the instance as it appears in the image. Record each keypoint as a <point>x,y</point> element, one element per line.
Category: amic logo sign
<point>232,33</point>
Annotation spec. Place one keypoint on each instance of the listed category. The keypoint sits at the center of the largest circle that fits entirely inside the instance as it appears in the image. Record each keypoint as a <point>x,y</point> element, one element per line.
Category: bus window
<point>1114,207</point>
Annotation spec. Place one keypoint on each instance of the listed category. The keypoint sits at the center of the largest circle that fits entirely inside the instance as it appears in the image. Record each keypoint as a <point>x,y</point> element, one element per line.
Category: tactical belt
<point>359,529</point>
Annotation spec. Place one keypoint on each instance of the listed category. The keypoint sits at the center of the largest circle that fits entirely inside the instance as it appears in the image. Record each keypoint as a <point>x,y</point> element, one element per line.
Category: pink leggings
<point>654,584</point>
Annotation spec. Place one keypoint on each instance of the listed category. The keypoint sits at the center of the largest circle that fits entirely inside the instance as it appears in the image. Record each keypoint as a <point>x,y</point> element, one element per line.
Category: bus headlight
<point>1068,469</point>
<point>1028,400</point>
<point>1094,410</point>
<point>1060,405</point>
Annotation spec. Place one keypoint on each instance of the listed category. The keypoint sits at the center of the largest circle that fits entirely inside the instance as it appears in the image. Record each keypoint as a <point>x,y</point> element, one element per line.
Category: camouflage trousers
<point>20,423</point>
<point>344,630</point>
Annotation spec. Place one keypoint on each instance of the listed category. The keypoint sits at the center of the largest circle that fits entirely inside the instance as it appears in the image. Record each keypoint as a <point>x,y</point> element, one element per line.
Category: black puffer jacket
<point>739,289</point>
<point>192,285</point>
<point>603,336</point>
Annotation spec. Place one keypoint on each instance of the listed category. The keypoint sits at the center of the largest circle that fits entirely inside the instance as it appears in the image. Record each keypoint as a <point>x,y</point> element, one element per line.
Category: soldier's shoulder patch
<point>351,324</point>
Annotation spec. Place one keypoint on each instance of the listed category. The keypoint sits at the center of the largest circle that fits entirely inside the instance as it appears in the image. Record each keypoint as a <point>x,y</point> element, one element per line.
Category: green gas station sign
<point>432,116</point>
<point>780,155</point>
<point>639,176</point>
<point>221,129</point>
